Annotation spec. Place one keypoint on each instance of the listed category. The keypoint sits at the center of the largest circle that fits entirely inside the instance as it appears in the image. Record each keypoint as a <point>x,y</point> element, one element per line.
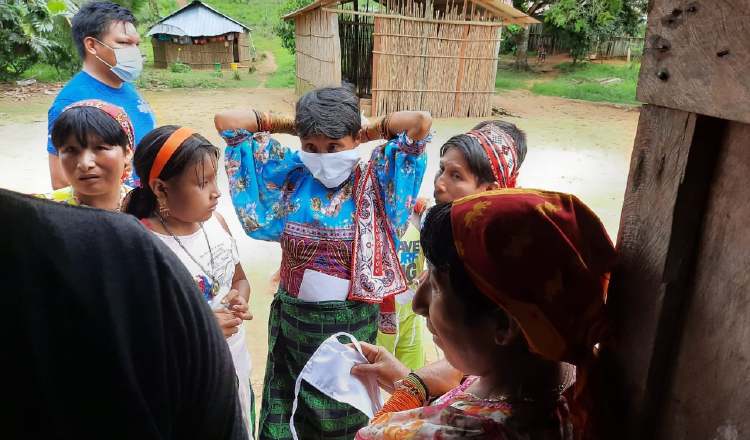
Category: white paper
<point>318,286</point>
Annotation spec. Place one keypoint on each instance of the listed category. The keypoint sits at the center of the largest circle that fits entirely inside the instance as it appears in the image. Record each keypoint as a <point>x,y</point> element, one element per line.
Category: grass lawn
<point>577,81</point>
<point>584,81</point>
<point>511,79</point>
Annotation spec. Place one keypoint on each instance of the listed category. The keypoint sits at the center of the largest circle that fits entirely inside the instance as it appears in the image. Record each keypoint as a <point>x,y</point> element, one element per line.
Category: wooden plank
<point>376,49</point>
<point>711,392</point>
<point>666,192</point>
<point>697,57</point>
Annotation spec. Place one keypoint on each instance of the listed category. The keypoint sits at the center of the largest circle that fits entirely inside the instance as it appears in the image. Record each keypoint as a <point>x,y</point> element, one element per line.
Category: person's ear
<point>507,330</point>
<point>491,186</point>
<point>89,45</point>
<point>159,187</point>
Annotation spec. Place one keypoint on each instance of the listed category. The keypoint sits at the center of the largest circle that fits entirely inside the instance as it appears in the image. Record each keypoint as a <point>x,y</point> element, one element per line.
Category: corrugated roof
<point>197,20</point>
<point>507,13</point>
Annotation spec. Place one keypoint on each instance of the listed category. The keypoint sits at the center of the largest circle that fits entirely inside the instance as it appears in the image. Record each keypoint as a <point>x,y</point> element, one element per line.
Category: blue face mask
<point>129,62</point>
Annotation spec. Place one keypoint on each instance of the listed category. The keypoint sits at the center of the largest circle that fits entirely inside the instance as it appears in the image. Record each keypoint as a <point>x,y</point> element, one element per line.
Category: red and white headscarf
<point>501,151</point>
<point>115,112</point>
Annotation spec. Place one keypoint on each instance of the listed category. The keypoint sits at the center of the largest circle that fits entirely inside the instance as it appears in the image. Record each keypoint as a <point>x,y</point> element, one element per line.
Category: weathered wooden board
<point>697,57</point>
<point>649,229</point>
<point>710,398</point>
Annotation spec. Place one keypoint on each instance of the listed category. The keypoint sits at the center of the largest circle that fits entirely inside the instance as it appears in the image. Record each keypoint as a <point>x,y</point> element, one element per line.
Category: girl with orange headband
<point>515,297</point>
<point>177,201</point>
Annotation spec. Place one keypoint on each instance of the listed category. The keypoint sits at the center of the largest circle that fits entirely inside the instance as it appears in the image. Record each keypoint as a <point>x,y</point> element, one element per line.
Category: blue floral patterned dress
<point>277,199</point>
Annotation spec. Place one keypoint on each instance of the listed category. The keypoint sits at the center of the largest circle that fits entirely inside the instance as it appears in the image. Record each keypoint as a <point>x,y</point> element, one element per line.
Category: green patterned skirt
<point>295,330</point>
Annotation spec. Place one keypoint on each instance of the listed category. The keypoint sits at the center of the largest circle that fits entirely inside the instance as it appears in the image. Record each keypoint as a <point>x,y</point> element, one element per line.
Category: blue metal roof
<point>197,20</point>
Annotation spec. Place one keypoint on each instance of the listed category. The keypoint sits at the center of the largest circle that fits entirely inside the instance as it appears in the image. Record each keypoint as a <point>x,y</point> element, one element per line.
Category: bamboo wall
<point>445,65</point>
<point>200,56</point>
<point>318,50</point>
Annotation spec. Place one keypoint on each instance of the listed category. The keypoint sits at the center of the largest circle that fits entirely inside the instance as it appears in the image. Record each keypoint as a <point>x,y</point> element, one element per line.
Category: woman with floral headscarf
<point>487,157</point>
<point>94,141</point>
<point>515,296</point>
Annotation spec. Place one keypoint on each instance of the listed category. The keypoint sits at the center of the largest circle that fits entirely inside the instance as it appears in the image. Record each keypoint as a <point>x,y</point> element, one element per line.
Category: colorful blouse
<point>461,415</point>
<point>67,195</point>
<point>278,199</point>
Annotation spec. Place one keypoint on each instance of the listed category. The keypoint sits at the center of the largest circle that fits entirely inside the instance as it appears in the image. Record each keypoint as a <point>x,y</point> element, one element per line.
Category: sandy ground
<point>576,147</point>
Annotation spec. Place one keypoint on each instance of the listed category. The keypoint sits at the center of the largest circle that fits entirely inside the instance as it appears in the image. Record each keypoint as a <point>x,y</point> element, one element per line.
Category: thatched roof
<point>197,20</point>
<point>508,14</point>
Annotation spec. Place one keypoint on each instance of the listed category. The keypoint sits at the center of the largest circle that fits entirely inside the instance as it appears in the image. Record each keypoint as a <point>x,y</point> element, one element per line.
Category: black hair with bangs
<point>85,124</point>
<point>142,201</point>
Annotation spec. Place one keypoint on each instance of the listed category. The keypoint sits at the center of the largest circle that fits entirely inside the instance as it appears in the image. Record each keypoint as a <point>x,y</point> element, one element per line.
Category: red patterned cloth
<point>117,113</point>
<point>501,151</point>
<point>544,257</point>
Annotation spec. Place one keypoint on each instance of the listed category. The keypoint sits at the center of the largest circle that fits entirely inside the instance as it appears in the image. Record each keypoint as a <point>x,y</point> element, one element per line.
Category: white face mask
<point>331,169</point>
<point>129,62</point>
<point>329,370</point>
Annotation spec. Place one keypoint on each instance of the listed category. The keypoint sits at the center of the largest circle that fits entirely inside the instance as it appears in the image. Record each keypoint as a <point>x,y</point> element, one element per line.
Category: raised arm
<point>258,168</point>
<point>253,121</point>
<point>400,164</point>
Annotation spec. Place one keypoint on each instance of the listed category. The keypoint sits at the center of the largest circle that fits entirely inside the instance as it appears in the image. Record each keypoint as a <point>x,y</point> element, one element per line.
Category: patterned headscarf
<point>545,258</point>
<point>115,112</point>
<point>501,151</point>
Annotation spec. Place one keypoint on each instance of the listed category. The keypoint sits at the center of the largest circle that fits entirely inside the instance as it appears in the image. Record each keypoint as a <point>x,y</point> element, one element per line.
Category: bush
<point>285,29</point>
<point>179,67</point>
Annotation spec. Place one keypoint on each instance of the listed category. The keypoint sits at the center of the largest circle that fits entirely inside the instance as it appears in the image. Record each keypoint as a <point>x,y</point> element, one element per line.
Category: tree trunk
<point>522,61</point>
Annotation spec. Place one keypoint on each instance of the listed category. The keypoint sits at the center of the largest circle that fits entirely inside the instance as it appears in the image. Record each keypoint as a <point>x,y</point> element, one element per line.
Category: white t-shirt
<point>225,259</point>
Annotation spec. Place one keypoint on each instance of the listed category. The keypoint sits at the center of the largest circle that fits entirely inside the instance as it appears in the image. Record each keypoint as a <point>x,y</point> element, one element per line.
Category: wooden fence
<point>318,50</point>
<point>356,37</point>
<point>613,47</point>
<point>443,65</point>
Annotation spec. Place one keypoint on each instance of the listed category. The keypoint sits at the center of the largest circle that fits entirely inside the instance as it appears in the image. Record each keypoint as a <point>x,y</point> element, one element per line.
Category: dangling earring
<point>163,209</point>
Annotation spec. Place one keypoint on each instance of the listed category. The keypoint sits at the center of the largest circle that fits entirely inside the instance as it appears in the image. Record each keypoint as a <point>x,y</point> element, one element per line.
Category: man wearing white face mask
<point>338,220</point>
<point>107,41</point>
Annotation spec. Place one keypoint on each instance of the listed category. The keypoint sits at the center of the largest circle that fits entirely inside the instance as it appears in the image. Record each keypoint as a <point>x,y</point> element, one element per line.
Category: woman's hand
<point>228,323</point>
<point>382,364</point>
<point>237,304</point>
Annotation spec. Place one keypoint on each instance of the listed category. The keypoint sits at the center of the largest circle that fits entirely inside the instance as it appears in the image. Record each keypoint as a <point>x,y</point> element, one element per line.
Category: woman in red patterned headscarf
<point>94,140</point>
<point>515,297</point>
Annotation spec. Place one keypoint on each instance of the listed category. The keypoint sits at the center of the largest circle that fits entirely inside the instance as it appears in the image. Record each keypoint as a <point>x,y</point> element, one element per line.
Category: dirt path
<point>265,66</point>
<point>576,147</point>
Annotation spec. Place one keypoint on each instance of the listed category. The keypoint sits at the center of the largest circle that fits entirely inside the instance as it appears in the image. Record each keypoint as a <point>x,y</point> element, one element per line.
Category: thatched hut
<point>437,55</point>
<point>201,37</point>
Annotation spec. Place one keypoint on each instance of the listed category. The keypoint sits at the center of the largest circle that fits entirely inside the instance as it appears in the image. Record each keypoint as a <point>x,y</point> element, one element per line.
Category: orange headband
<point>167,150</point>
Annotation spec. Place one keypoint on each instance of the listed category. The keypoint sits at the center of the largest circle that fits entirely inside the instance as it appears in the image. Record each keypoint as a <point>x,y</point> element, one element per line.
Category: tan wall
<point>318,50</point>
<point>199,56</point>
<point>447,69</point>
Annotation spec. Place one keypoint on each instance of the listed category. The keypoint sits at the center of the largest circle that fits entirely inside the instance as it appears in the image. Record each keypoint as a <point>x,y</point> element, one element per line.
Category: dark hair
<point>84,122</point>
<point>440,251</point>
<point>93,20</point>
<point>474,154</point>
<point>329,111</point>
<point>142,200</point>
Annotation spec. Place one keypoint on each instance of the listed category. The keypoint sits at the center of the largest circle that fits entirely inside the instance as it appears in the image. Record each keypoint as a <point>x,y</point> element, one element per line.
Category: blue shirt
<point>84,86</point>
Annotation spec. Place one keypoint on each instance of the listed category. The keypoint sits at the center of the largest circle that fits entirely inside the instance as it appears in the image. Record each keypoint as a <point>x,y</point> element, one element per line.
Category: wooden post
<point>679,296</point>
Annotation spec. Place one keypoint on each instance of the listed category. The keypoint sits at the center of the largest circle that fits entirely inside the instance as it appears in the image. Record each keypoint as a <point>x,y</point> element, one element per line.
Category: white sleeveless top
<point>226,257</point>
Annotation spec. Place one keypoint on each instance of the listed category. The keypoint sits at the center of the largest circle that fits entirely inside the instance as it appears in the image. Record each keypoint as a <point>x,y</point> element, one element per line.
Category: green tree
<point>285,29</point>
<point>584,22</point>
<point>25,30</point>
